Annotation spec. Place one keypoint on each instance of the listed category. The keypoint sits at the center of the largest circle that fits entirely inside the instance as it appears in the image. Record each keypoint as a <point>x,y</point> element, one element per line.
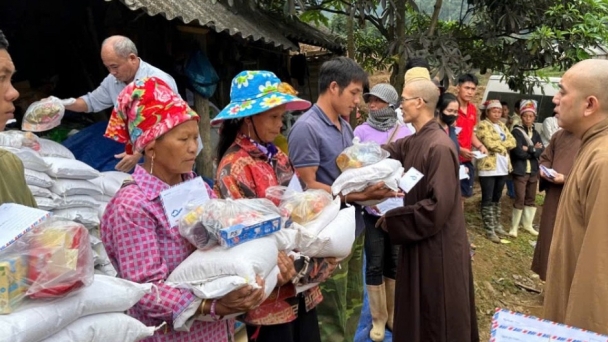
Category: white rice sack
<point>70,168</point>
<point>87,216</point>
<point>38,319</point>
<point>49,148</point>
<point>101,209</point>
<point>38,178</point>
<point>340,236</point>
<point>355,180</point>
<point>102,198</point>
<point>247,260</point>
<point>222,286</point>
<point>30,158</point>
<point>41,192</point>
<point>71,187</point>
<point>75,201</point>
<point>45,203</point>
<point>287,239</point>
<point>110,181</point>
<point>12,139</point>
<point>104,327</point>
<point>325,217</point>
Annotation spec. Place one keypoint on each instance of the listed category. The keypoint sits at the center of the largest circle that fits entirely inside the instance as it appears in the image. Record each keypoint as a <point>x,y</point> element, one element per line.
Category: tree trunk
<point>350,34</point>
<point>399,67</point>
<point>435,17</point>
<point>204,161</point>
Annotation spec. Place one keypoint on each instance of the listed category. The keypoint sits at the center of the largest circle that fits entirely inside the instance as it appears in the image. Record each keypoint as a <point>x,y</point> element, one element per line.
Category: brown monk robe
<point>559,156</point>
<point>576,291</point>
<point>434,291</point>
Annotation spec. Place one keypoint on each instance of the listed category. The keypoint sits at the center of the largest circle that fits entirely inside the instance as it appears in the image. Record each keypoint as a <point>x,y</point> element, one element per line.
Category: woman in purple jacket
<point>381,257</point>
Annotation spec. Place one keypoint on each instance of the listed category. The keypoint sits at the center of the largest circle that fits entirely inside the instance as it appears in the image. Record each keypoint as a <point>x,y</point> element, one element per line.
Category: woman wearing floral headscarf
<point>142,245</point>
<point>249,164</point>
<point>525,168</point>
<point>494,168</point>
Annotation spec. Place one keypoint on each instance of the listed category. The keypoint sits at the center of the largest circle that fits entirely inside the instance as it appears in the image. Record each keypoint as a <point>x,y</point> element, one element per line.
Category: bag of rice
<point>38,178</point>
<point>49,148</point>
<point>70,187</point>
<point>70,168</point>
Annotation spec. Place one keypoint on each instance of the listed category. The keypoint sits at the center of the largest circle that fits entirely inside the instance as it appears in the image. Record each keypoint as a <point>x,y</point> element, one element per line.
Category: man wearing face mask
<point>381,127</point>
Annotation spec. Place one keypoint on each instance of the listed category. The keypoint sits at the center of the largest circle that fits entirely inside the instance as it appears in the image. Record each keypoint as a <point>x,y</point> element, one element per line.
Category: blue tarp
<point>91,147</point>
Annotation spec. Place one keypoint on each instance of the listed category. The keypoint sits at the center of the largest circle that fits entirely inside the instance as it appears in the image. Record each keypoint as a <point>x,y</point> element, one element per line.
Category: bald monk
<point>577,276</point>
<point>434,297</point>
<point>119,56</point>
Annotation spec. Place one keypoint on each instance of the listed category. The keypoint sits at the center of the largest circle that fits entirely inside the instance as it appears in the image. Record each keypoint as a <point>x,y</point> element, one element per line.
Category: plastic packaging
<point>18,139</point>
<point>49,261</point>
<point>61,259</point>
<point>304,206</point>
<point>231,222</point>
<point>43,115</point>
<point>360,154</point>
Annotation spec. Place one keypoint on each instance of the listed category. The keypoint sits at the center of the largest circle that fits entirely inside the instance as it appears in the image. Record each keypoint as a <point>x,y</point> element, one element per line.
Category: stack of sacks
<point>101,260</point>
<point>321,228</point>
<point>363,165</point>
<point>109,182</point>
<point>76,194</point>
<point>94,314</point>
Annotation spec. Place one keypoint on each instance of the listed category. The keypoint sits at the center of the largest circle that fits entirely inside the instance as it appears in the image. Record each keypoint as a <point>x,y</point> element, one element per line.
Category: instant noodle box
<point>239,233</point>
<point>13,282</point>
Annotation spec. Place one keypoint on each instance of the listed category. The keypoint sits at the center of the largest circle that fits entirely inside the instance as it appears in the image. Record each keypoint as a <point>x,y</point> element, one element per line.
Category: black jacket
<point>519,157</point>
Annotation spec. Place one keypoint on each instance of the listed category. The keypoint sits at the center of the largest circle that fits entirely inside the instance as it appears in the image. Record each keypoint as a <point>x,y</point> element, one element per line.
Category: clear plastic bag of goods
<point>303,207</point>
<point>43,115</point>
<point>60,259</point>
<point>50,260</point>
<point>19,139</point>
<point>231,222</point>
<point>361,154</point>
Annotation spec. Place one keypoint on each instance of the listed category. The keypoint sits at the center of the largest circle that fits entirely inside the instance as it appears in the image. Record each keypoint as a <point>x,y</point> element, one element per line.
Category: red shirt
<point>466,122</point>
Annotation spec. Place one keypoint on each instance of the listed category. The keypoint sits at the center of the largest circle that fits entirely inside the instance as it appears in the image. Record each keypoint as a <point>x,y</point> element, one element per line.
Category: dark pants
<point>525,190</point>
<point>491,189</point>
<point>380,255</point>
<point>510,187</point>
<point>303,329</point>
<point>466,185</point>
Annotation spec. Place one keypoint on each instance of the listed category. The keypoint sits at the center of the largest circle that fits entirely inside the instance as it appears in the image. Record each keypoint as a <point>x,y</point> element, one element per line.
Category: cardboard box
<point>13,282</point>
<point>237,234</point>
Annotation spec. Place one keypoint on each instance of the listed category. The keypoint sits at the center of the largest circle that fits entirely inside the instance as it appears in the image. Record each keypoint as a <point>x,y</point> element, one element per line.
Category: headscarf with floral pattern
<point>146,109</point>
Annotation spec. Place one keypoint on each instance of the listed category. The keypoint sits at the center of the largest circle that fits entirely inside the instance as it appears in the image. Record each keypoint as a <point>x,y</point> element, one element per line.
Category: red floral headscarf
<point>146,109</point>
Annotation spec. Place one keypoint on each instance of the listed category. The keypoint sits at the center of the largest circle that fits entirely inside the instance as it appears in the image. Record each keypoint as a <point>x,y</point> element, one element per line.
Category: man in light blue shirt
<point>119,55</point>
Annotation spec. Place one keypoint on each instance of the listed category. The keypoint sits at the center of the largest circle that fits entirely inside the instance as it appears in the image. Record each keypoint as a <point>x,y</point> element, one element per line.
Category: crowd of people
<point>418,274</point>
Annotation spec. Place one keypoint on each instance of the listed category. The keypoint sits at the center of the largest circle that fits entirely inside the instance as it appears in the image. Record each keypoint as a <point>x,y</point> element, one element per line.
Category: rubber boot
<point>377,306</point>
<point>389,285</point>
<point>515,218</point>
<point>527,219</point>
<point>498,227</point>
<point>488,223</point>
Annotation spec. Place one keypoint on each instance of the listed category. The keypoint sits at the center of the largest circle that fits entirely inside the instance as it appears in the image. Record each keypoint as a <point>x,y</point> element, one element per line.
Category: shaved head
<point>590,78</point>
<point>425,89</point>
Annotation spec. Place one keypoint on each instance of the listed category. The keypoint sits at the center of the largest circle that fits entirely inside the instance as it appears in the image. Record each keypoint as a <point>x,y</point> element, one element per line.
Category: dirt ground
<point>501,271</point>
<point>502,274</point>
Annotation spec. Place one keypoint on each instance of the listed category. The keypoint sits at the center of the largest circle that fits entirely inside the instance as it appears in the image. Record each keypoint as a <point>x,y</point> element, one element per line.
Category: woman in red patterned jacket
<point>249,164</point>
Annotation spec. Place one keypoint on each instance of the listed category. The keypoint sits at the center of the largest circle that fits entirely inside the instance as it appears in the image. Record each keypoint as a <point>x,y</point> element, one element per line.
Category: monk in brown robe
<point>576,292</point>
<point>434,290</point>
<point>559,156</point>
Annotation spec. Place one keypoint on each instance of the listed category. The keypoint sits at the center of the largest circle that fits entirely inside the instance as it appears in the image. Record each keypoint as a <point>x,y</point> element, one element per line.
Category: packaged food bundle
<point>60,259</point>
<point>231,222</point>
<point>304,206</point>
<point>18,139</point>
<point>43,115</point>
<point>191,228</point>
<point>13,281</point>
<point>360,154</point>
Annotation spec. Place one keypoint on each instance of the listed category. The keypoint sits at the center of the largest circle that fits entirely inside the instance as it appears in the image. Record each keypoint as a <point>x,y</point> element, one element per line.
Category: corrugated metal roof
<point>248,24</point>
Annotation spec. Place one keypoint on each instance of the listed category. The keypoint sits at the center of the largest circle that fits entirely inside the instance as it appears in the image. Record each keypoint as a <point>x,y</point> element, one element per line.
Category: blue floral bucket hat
<point>255,91</point>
